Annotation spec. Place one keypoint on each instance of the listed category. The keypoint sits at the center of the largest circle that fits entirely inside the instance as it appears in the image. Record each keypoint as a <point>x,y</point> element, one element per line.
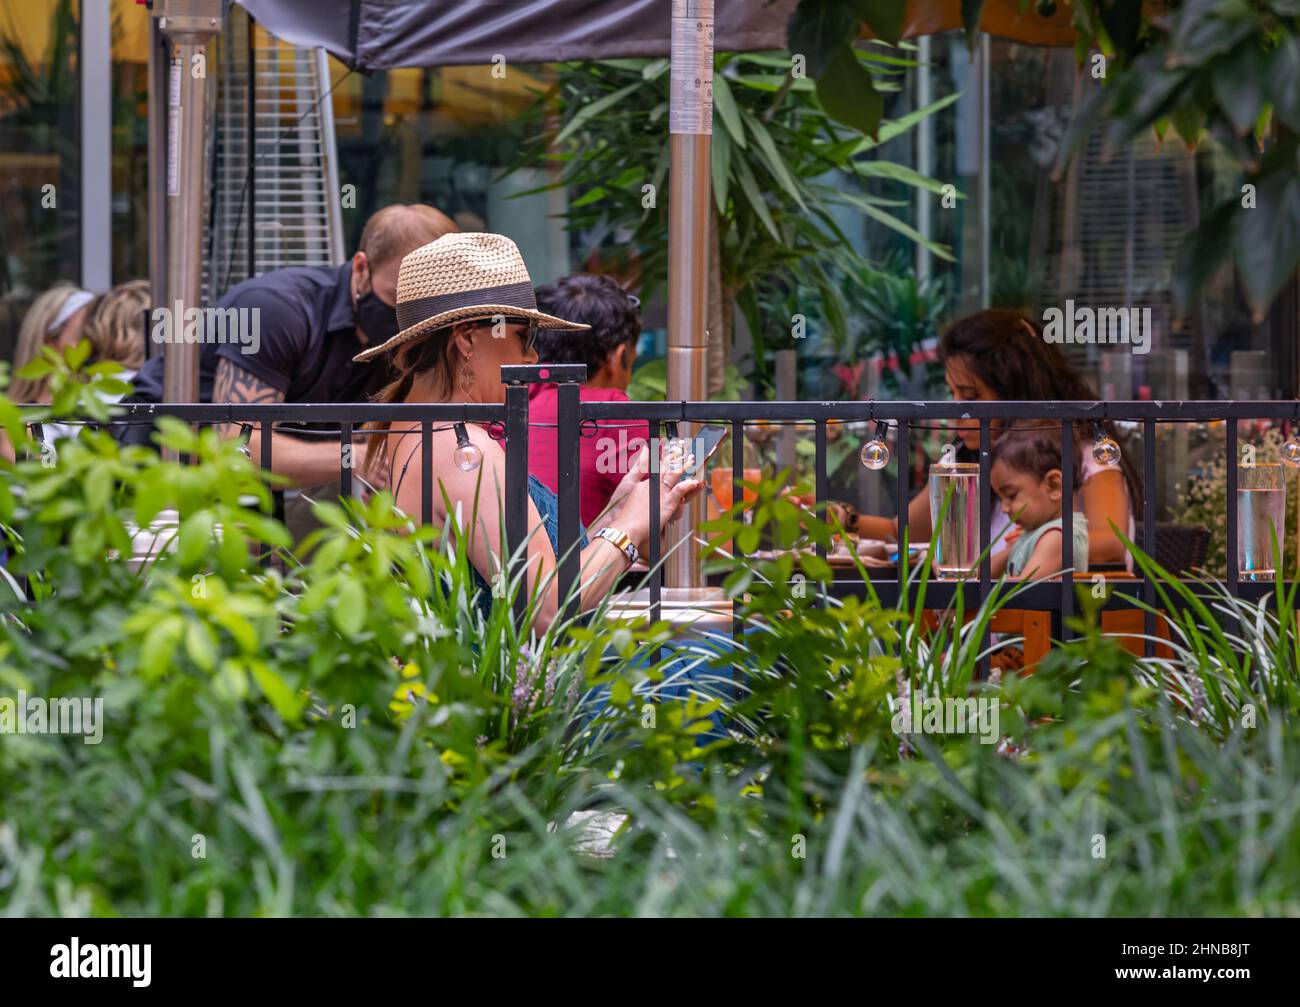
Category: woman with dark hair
<point>608,349</point>
<point>998,355</point>
<point>465,308</point>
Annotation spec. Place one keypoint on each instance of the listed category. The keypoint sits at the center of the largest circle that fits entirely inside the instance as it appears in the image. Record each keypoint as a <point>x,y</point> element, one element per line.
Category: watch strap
<point>621,542</point>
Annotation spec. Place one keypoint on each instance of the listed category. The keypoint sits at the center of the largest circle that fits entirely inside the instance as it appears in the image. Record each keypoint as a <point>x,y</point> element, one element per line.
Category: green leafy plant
<point>895,314</point>
<point>650,383</point>
<point>351,735</point>
<point>773,148</point>
<point>824,31</point>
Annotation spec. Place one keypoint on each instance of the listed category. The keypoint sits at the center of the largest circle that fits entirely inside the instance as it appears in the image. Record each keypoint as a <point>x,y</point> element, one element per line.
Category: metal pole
<point>157,171</point>
<point>188,26</point>
<point>96,148</point>
<point>250,153</point>
<point>985,165</point>
<point>690,118</point>
<point>330,150</point>
<point>924,153</point>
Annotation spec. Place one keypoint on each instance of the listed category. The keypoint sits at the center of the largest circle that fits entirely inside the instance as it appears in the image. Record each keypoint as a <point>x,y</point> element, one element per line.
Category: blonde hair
<point>34,334</point>
<point>115,325</point>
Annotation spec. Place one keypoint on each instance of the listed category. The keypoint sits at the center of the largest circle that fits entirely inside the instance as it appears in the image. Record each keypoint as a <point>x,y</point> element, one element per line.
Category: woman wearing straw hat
<point>465,308</point>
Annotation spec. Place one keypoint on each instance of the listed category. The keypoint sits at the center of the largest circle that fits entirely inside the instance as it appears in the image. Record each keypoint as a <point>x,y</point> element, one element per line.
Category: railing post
<point>1230,574</point>
<point>1149,532</point>
<point>901,487</point>
<point>516,487</point>
<point>568,470</point>
<point>1067,527</point>
<point>656,545</point>
<point>517,378</point>
<point>986,507</point>
<point>426,471</point>
<point>346,461</point>
<point>822,496</point>
<point>737,493</point>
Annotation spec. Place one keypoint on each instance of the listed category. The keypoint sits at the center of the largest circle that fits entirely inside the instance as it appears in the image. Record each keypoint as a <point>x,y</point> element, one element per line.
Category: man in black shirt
<point>297,332</point>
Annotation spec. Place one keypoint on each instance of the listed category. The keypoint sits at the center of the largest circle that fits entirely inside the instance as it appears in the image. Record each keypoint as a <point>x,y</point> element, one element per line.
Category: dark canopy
<point>379,34</point>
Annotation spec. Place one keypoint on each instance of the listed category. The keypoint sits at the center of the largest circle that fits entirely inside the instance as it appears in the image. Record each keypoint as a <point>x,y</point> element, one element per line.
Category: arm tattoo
<point>234,384</point>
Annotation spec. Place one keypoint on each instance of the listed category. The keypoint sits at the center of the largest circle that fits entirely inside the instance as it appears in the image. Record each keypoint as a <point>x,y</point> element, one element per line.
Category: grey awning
<point>379,34</point>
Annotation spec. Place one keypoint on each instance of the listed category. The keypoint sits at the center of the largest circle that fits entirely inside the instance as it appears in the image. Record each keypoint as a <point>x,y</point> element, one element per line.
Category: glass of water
<point>957,536</point>
<point>1261,519</point>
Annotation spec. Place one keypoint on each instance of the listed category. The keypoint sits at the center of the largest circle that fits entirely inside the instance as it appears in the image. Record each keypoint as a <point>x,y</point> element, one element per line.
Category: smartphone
<point>703,446</point>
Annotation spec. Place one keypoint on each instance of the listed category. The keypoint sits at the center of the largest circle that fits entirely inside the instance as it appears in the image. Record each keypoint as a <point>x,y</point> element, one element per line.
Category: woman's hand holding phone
<point>632,496</point>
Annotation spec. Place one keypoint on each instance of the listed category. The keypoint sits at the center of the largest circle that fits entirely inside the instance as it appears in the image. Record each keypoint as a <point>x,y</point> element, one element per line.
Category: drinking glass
<point>1261,519</point>
<point>956,537</point>
<point>720,478</point>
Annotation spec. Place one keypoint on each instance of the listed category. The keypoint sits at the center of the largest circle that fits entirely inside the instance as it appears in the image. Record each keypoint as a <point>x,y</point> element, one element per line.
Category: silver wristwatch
<point>620,541</point>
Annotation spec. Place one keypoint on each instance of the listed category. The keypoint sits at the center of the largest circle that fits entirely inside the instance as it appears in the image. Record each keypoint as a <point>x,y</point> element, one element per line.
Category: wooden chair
<point>1035,627</point>
<point>1126,625</point>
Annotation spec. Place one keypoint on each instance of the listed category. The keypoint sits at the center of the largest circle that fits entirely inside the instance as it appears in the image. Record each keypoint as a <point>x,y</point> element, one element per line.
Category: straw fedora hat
<point>463,277</point>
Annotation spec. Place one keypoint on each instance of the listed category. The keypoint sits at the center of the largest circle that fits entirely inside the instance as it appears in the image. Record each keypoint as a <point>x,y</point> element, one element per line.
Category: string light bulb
<point>467,456</point>
<point>1105,450</point>
<point>1291,450</point>
<point>875,453</point>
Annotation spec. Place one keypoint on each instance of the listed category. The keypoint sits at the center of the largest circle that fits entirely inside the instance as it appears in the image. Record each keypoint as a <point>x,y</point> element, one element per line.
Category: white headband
<point>75,302</point>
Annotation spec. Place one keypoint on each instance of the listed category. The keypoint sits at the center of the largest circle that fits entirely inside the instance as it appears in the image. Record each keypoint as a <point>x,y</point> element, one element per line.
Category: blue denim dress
<point>548,508</point>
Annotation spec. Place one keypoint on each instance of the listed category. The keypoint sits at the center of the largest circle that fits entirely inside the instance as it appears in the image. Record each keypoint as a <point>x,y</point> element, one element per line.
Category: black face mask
<point>378,320</point>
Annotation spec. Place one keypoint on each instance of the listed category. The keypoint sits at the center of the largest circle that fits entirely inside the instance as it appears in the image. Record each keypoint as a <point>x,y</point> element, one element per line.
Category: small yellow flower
<point>407,694</point>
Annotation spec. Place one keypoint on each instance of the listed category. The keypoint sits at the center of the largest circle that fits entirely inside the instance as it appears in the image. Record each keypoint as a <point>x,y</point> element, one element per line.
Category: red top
<point>605,458</point>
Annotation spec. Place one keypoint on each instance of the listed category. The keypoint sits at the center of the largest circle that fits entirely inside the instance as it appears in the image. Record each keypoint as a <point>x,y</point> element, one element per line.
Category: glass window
<point>444,136</point>
<point>130,72</point>
<point>1101,235</point>
<point>40,160</point>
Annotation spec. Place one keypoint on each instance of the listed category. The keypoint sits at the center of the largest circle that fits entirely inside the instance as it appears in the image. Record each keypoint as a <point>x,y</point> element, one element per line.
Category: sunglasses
<point>528,337</point>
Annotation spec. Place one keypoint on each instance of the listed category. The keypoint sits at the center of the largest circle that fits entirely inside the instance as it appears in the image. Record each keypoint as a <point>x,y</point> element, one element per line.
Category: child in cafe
<point>1026,475</point>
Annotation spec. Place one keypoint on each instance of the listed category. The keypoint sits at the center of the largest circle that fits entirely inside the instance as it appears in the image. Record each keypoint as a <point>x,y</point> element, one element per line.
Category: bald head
<point>388,236</point>
<point>403,227</point>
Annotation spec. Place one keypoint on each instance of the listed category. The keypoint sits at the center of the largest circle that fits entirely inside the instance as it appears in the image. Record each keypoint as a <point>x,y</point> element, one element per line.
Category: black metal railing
<point>573,416</point>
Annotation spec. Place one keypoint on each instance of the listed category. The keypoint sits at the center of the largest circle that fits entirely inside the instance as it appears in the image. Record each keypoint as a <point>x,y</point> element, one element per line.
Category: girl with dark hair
<point>998,355</point>
<point>1025,472</point>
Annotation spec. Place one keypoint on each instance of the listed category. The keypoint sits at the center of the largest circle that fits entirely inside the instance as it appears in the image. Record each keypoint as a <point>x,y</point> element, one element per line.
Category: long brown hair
<point>1008,353</point>
<point>433,353</point>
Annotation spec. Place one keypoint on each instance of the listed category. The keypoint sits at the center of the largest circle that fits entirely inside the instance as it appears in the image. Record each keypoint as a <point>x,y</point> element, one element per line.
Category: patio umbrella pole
<point>188,25</point>
<point>690,118</point>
